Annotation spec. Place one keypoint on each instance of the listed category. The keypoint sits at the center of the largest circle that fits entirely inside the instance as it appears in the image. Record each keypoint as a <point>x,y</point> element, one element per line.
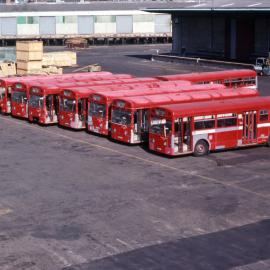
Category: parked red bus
<point>99,105</point>
<point>208,126</point>
<point>20,90</point>
<point>48,114</point>
<point>6,84</point>
<point>5,91</point>
<point>130,115</point>
<point>230,78</point>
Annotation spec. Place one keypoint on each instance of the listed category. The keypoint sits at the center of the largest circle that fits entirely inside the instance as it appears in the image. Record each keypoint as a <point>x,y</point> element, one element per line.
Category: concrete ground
<point>74,201</point>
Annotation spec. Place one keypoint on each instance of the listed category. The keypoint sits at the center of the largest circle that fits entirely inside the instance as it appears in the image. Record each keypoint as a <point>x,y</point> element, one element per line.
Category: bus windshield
<point>98,110</point>
<point>161,126</point>
<point>122,117</point>
<point>69,105</point>
<point>2,92</point>
<point>19,97</point>
<point>36,101</point>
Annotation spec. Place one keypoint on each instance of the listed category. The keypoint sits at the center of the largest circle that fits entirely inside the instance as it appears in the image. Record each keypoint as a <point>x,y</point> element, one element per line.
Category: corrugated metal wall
<point>85,25</point>
<point>9,26</point>
<point>124,24</point>
<point>47,25</point>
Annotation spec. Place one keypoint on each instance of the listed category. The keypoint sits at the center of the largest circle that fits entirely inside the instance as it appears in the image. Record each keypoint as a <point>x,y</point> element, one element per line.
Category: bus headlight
<point>126,133</point>
<point>164,143</point>
<point>153,141</point>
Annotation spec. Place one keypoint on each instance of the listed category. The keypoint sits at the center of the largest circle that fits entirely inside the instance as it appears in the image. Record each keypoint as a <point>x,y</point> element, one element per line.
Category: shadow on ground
<point>221,250</point>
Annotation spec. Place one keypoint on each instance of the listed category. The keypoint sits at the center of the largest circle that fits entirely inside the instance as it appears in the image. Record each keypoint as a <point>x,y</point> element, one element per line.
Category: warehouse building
<point>90,20</point>
<point>222,29</point>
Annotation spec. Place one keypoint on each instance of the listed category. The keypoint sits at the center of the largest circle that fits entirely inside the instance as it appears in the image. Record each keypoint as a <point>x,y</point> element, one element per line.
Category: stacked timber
<point>7,69</point>
<point>59,59</point>
<point>29,57</point>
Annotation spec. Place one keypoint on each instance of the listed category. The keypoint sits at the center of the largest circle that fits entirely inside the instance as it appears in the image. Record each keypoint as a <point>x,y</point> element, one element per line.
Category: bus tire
<point>201,148</point>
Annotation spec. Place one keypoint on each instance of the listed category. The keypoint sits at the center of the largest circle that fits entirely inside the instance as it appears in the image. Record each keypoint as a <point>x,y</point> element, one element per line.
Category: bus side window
<point>264,115</point>
<point>204,123</point>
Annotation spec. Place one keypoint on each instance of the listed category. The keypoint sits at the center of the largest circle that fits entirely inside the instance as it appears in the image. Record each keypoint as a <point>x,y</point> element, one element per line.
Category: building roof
<point>92,6</point>
<point>215,5</point>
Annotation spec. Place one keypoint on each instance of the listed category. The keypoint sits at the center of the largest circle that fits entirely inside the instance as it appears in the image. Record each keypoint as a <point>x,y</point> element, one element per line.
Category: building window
<point>66,19</point>
<point>143,18</point>
<point>105,19</point>
<point>27,20</point>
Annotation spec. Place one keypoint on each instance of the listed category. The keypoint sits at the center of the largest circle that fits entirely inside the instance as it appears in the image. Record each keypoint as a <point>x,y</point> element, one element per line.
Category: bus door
<point>56,104</point>
<point>141,124</point>
<point>183,135</point>
<point>49,106</point>
<point>250,127</point>
<point>82,109</point>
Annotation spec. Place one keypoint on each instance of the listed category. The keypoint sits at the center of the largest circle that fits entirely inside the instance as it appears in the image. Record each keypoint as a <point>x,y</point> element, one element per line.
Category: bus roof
<point>210,76</point>
<point>218,106</point>
<point>149,101</point>
<point>159,90</point>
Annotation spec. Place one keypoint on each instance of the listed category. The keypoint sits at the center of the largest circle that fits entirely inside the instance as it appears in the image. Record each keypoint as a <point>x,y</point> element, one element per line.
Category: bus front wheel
<point>201,148</point>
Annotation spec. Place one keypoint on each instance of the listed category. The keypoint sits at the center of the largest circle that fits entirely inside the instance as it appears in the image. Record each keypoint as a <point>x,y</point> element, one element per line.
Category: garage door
<point>124,24</point>
<point>9,26</point>
<point>85,25</point>
<point>47,26</point>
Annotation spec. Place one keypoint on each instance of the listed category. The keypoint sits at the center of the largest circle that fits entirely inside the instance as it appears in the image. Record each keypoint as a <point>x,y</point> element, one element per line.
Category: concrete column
<point>177,34</point>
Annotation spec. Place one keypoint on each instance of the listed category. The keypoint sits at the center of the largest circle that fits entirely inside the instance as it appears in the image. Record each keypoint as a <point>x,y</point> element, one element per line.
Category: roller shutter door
<point>85,25</point>
<point>47,26</point>
<point>9,26</point>
<point>124,24</point>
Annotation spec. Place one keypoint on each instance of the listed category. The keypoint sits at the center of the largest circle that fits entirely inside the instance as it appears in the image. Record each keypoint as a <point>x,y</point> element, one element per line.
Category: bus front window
<point>69,105</point>
<point>2,92</point>
<point>161,126</point>
<point>121,117</point>
<point>19,97</point>
<point>36,101</point>
<point>98,110</point>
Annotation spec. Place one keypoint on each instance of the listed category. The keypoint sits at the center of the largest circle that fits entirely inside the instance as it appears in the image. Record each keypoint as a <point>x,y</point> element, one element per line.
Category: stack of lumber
<point>29,56</point>
<point>59,59</point>
<point>7,69</point>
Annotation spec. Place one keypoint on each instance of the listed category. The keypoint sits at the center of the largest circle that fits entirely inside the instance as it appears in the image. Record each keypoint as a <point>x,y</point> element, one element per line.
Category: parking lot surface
<point>73,201</point>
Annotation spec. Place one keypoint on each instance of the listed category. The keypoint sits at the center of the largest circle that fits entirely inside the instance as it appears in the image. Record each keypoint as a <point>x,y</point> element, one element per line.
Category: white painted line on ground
<point>199,5</point>
<point>124,243</point>
<point>254,5</point>
<point>228,5</point>
<point>132,156</point>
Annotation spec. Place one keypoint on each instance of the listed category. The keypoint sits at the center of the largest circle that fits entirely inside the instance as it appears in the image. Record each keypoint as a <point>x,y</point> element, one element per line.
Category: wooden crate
<point>29,46</point>
<point>29,56</point>
<point>59,59</point>
<point>29,65</point>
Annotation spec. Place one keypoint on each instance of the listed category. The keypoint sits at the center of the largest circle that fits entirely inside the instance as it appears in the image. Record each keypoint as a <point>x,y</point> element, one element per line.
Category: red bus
<point>44,104</point>
<point>20,90</point>
<point>208,126</point>
<point>99,105</point>
<point>6,84</point>
<point>5,91</point>
<point>39,112</point>
<point>130,115</point>
<point>230,78</point>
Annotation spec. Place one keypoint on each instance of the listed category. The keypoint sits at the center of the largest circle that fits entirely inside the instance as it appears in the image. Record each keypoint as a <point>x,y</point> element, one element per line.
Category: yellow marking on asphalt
<point>132,156</point>
<point>4,211</point>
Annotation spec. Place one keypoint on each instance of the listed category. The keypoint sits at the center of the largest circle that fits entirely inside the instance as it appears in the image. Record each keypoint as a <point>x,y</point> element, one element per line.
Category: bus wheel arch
<point>201,148</point>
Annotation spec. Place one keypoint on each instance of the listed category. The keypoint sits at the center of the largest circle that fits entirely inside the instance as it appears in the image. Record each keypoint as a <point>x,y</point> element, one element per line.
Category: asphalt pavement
<point>73,201</point>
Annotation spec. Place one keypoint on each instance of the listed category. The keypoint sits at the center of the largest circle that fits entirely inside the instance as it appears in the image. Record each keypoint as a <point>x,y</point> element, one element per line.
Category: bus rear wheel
<point>201,148</point>
<point>268,142</point>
